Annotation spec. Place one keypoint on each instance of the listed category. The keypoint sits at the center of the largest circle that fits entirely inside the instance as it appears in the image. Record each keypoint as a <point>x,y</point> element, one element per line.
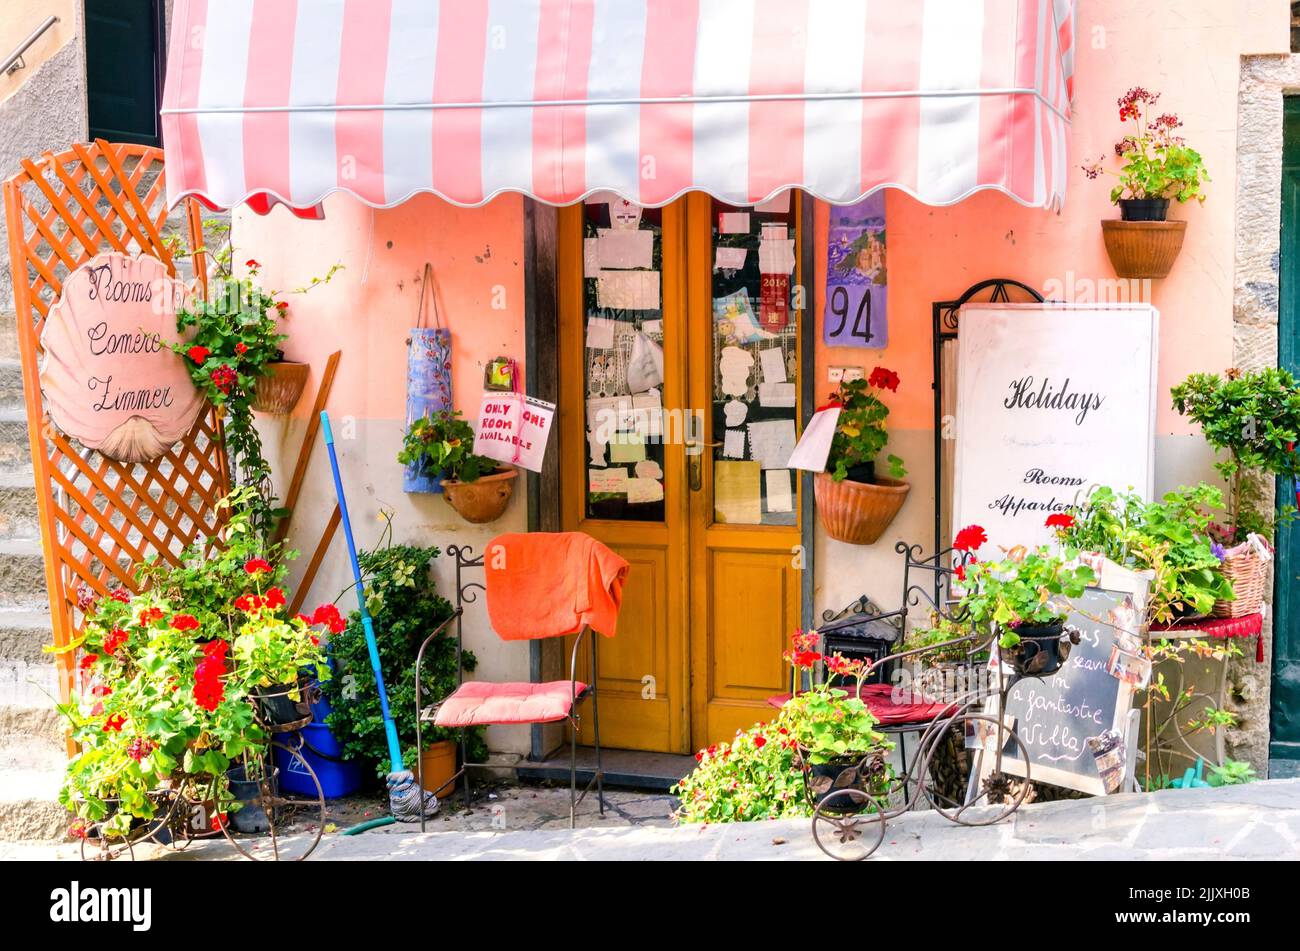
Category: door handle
<point>695,461</point>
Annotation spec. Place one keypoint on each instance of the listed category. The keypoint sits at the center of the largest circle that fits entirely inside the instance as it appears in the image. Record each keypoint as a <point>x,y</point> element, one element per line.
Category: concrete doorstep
<point>1259,821</point>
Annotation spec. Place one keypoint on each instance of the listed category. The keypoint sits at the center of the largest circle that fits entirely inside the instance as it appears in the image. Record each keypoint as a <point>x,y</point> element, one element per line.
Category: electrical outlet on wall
<point>853,373</point>
<point>835,374</point>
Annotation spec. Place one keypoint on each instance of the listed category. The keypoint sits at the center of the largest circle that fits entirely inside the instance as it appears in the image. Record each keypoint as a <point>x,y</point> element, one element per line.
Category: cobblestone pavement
<point>1256,821</point>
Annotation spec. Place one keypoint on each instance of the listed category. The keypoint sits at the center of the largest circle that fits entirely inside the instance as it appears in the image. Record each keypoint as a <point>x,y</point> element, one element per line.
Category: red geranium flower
<point>223,377</point>
<point>241,348</point>
<point>198,354</point>
<point>760,741</point>
<point>281,306</point>
<point>216,650</point>
<point>115,639</point>
<point>121,595</point>
<point>254,565</point>
<point>185,622</point>
<point>274,598</point>
<point>328,614</point>
<point>149,615</point>
<point>252,263</point>
<point>883,379</point>
<point>960,572</point>
<point>115,723</point>
<point>1060,520</point>
<point>88,661</point>
<point>101,690</point>
<point>79,829</point>
<point>970,538</point>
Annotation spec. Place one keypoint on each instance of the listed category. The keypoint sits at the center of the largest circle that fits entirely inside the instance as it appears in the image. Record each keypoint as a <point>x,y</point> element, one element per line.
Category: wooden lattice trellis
<point>100,517</point>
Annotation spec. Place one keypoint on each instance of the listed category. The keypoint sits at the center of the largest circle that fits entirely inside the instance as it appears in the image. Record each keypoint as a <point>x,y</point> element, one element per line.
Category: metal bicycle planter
<point>190,797</point>
<point>849,820</point>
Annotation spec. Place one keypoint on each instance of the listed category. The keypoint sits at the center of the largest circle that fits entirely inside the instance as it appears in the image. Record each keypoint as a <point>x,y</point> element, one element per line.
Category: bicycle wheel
<point>998,794</point>
<point>296,822</point>
<point>848,825</point>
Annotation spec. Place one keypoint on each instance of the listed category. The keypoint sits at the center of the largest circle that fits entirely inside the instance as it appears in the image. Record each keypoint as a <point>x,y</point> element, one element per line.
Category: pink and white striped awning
<point>290,100</point>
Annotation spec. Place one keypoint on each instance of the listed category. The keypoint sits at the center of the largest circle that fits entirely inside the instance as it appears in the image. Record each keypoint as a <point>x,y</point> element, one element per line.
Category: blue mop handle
<point>394,748</point>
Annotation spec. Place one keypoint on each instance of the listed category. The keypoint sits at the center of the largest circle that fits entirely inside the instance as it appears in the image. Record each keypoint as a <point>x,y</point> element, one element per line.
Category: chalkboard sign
<point>1054,716</point>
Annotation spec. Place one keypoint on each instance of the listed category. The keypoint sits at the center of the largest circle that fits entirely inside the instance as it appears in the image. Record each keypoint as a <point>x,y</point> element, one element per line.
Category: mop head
<point>406,799</point>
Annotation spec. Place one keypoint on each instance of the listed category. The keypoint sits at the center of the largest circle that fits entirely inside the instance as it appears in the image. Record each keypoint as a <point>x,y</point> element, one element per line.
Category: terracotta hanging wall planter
<point>1143,249</point>
<point>482,500</point>
<point>280,390</point>
<point>858,512</point>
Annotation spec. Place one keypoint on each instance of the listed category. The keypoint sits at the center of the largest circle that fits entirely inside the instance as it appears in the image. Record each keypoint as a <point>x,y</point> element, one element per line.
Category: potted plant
<point>404,603</point>
<point>1255,418</point>
<point>1169,538</point>
<point>441,446</point>
<point>945,670</point>
<point>854,504</point>
<point>1024,598</point>
<point>1157,165</point>
<point>166,686</point>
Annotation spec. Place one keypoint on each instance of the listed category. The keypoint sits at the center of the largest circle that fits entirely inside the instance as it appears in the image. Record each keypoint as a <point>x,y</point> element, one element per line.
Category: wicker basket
<point>857,512</point>
<point>1247,572</point>
<point>280,390</point>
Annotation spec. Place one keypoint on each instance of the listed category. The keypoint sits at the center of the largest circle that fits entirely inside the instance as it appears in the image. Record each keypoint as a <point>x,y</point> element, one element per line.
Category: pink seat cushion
<point>879,699</point>
<point>478,703</point>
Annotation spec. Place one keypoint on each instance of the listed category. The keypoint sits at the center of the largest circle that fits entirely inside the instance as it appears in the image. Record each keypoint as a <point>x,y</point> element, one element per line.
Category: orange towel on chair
<point>547,584</point>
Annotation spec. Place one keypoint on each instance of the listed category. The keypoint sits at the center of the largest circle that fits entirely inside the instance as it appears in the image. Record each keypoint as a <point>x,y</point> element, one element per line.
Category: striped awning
<point>290,100</point>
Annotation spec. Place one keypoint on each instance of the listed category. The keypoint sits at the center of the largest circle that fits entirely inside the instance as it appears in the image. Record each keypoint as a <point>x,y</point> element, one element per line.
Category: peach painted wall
<point>1189,50</point>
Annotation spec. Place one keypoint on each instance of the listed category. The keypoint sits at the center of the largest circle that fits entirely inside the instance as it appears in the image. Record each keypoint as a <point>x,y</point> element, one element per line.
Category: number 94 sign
<point>856,276</point>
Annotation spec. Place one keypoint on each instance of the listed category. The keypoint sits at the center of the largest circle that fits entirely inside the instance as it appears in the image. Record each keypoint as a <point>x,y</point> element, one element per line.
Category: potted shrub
<point>441,446</point>
<point>854,504</point>
<point>1157,165</point>
<point>944,671</point>
<point>1255,419</point>
<point>1024,599</point>
<point>404,603</point>
<point>1170,538</point>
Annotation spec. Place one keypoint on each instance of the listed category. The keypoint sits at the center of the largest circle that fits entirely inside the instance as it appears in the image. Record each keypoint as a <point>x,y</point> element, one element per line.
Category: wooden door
<point>711,535</point>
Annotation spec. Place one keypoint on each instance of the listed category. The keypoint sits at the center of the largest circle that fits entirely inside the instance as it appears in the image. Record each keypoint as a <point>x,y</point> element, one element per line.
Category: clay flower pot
<point>857,512</point>
<point>482,500</point>
<point>437,766</point>
<point>280,391</point>
<point>1143,249</point>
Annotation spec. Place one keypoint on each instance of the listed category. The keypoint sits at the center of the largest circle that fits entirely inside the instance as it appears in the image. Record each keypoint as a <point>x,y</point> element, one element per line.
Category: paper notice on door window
<point>607,481</point>
<point>652,327</point>
<point>737,493</point>
<point>773,362</point>
<point>779,496</point>
<point>771,441</point>
<point>776,394</point>
<point>624,249</point>
<point>590,257</point>
<point>644,490</point>
<point>731,258</point>
<point>647,413</point>
<point>733,222</point>
<point>775,250</point>
<point>600,333</point>
<point>626,448</point>
<point>628,290</point>
<point>733,444</point>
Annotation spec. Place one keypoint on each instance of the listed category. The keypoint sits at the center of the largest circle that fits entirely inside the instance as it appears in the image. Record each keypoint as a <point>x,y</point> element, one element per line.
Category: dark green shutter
<point>124,69</point>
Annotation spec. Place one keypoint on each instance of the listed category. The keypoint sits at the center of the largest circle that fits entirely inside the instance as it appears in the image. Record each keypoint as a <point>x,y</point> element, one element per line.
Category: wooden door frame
<point>542,257</point>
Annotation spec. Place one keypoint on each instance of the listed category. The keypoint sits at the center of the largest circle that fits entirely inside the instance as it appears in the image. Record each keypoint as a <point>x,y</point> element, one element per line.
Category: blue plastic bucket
<point>337,778</point>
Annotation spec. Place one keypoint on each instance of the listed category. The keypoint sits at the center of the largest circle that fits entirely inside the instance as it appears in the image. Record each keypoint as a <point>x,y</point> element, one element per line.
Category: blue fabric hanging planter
<point>428,377</point>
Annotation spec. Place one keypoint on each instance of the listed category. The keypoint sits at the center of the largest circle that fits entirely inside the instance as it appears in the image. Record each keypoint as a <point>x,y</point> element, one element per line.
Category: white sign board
<point>1052,400</point>
<point>514,428</point>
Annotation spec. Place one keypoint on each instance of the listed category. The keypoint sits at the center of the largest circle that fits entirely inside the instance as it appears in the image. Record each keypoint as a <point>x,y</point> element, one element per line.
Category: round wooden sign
<point>109,378</point>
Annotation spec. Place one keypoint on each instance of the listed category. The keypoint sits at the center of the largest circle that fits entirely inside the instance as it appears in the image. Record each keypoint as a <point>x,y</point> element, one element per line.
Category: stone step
<point>32,761</point>
<point>11,383</point>
<point>22,572</point>
<point>18,517</point>
<point>15,449</point>
<point>24,632</point>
